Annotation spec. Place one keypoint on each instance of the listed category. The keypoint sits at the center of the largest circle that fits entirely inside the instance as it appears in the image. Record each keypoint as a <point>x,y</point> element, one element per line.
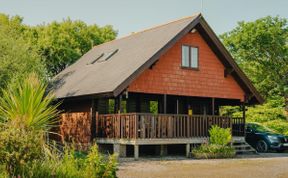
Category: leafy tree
<point>270,114</point>
<point>12,24</point>
<point>58,43</point>
<point>17,59</point>
<point>261,49</point>
<point>62,43</point>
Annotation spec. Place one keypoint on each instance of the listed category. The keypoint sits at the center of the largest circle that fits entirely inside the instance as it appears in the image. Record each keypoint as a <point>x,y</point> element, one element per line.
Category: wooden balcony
<point>162,126</point>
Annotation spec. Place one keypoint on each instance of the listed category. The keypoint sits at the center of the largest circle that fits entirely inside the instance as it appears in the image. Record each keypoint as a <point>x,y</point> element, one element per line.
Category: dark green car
<point>264,139</point>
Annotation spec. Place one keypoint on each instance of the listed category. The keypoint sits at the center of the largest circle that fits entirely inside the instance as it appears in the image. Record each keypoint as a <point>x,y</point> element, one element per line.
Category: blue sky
<point>134,15</point>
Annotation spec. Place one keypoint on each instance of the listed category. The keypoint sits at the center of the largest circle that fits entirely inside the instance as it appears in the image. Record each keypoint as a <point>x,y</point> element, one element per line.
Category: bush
<point>208,151</point>
<point>220,136</point>
<point>18,148</point>
<point>70,166</point>
<point>26,115</point>
<point>217,146</point>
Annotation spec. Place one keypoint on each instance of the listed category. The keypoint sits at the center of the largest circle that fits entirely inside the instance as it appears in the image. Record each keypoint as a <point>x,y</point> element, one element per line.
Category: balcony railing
<point>150,126</point>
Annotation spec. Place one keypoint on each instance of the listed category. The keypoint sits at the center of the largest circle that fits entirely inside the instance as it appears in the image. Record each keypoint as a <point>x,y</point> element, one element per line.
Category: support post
<point>136,152</point>
<point>213,106</point>
<point>244,116</point>
<point>120,105</point>
<point>93,119</point>
<point>138,103</point>
<point>116,149</point>
<point>115,105</point>
<point>120,150</point>
<point>163,150</point>
<point>188,150</point>
<point>177,106</point>
<point>165,103</point>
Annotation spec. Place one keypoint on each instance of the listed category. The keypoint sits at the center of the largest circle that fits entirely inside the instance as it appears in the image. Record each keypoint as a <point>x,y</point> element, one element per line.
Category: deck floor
<point>162,141</point>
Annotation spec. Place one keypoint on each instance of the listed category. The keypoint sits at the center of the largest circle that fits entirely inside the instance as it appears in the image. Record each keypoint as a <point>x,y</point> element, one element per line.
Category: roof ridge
<point>150,28</point>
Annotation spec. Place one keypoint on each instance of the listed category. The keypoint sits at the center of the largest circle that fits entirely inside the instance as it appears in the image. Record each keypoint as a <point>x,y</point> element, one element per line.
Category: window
<point>103,56</point>
<point>96,59</point>
<point>107,55</point>
<point>189,56</point>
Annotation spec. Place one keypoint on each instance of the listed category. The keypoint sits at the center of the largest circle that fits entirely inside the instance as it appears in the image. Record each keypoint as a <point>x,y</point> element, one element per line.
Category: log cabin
<point>161,86</point>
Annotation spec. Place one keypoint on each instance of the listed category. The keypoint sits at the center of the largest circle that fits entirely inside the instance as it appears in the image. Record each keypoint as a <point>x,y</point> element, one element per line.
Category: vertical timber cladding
<point>75,127</point>
<point>168,77</point>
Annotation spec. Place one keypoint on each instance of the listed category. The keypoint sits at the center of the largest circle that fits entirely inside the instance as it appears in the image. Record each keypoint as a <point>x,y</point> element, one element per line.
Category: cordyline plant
<point>26,115</point>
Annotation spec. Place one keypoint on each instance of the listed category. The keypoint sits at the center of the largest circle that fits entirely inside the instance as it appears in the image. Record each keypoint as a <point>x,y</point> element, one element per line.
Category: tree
<point>261,49</point>
<point>58,43</point>
<point>62,43</point>
<point>17,59</point>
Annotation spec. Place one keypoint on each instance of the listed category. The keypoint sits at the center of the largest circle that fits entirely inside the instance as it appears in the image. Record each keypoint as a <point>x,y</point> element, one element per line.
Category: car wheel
<point>262,146</point>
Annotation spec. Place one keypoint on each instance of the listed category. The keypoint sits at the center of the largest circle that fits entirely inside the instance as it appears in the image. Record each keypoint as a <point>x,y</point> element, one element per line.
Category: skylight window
<point>107,55</point>
<point>104,56</point>
<point>97,58</point>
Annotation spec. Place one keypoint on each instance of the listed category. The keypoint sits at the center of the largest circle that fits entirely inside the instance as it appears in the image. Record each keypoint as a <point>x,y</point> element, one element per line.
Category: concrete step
<point>242,147</point>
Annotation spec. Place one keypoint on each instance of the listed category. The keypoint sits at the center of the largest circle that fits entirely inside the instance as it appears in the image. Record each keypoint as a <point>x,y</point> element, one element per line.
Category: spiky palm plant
<point>27,104</point>
<point>26,116</point>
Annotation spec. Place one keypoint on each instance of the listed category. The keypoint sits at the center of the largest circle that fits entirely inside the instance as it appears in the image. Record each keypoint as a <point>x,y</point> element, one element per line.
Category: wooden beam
<point>213,106</point>
<point>244,115</point>
<point>116,105</point>
<point>165,103</point>
<point>120,109</point>
<point>93,119</point>
<point>177,106</point>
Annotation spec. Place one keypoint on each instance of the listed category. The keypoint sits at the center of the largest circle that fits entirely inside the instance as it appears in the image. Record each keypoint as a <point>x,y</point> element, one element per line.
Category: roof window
<point>97,58</point>
<point>107,55</point>
<point>104,56</point>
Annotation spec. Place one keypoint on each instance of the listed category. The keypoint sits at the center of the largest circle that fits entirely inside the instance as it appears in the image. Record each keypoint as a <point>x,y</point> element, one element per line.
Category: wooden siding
<point>76,127</point>
<point>168,77</point>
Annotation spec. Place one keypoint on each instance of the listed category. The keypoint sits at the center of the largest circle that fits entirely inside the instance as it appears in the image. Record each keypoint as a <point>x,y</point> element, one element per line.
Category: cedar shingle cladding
<point>167,76</point>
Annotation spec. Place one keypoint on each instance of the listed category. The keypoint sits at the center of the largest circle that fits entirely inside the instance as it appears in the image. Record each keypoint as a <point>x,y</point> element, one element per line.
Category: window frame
<point>190,57</point>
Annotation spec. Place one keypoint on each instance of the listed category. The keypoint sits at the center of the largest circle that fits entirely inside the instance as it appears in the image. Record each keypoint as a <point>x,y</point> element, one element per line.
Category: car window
<point>260,128</point>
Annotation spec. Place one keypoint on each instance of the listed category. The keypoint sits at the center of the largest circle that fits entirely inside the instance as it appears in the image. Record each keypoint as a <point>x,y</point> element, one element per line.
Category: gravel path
<point>265,166</point>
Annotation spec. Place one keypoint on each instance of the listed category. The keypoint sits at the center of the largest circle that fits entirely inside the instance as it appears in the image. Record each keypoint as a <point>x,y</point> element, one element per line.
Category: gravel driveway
<point>262,166</point>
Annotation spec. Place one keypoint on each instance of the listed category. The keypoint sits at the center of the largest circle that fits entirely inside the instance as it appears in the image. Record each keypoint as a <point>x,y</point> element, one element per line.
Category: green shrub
<point>218,145</point>
<point>68,165</point>
<point>220,136</point>
<point>18,148</point>
<point>208,151</point>
<point>26,115</point>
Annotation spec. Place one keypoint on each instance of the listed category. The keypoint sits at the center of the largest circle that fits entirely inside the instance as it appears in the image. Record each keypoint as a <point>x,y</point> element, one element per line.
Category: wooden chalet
<point>161,86</point>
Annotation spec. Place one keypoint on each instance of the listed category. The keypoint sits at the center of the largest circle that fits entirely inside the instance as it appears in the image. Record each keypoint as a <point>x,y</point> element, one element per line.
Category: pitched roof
<point>122,60</point>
